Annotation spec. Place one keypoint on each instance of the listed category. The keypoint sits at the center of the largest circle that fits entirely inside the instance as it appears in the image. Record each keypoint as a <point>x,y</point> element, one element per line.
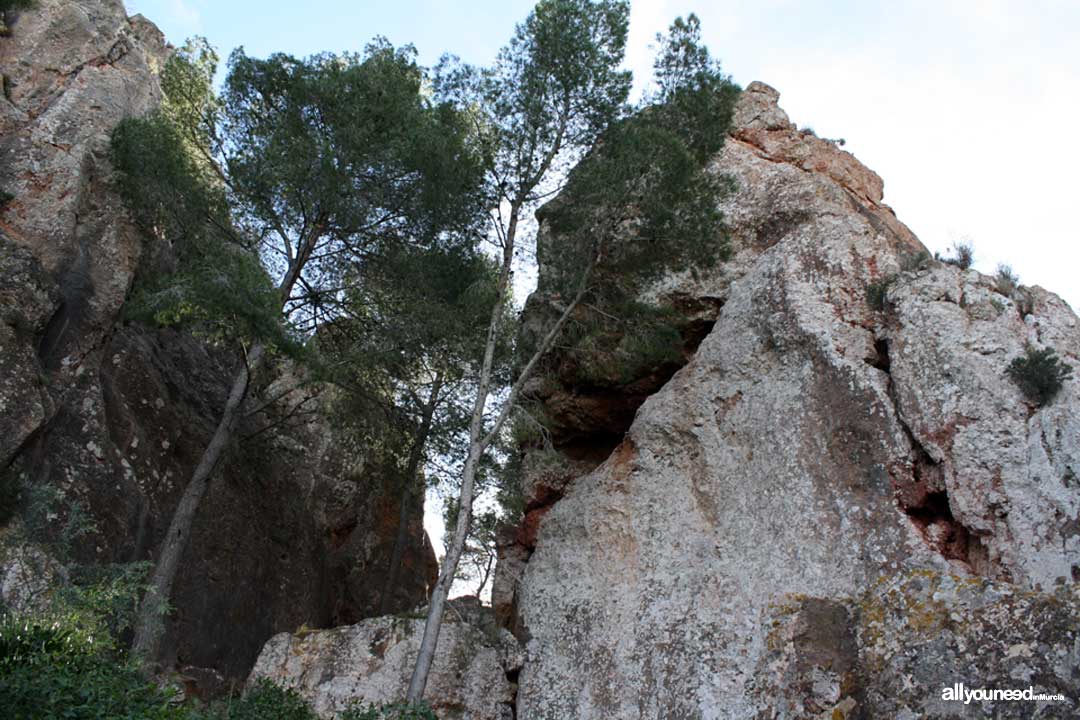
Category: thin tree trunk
<point>433,624</point>
<point>478,444</point>
<point>150,625</point>
<point>150,618</point>
<point>416,454</point>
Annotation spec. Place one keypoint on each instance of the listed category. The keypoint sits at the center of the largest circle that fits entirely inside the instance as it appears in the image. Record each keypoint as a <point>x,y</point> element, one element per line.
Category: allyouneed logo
<point>959,693</point>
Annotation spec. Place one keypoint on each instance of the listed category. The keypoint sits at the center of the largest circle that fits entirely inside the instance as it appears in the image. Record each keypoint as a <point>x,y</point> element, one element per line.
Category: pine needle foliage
<point>1040,374</point>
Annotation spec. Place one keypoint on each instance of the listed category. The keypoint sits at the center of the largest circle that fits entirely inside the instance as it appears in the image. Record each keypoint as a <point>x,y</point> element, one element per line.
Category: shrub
<point>963,255</point>
<point>391,711</point>
<point>876,292</point>
<point>1006,280</point>
<point>265,701</point>
<point>915,261</point>
<point>65,666</point>
<point>1039,374</point>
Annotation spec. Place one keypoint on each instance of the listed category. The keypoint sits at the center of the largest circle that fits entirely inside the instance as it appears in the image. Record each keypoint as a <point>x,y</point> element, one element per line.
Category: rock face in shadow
<point>813,446</point>
<point>298,524</point>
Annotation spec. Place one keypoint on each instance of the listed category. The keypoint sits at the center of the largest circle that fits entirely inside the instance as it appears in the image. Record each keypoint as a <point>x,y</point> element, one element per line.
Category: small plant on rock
<point>1040,374</point>
<point>1006,280</point>
<point>913,262</point>
<point>876,292</point>
<point>963,255</point>
<point>390,711</point>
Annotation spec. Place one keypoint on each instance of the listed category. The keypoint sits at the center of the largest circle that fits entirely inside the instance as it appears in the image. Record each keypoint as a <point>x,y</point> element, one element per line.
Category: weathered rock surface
<point>892,651</point>
<point>812,446</point>
<point>298,526</point>
<point>371,662</point>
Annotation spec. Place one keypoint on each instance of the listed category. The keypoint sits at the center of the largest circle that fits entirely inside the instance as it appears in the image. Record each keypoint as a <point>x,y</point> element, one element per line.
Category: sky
<point>966,108</point>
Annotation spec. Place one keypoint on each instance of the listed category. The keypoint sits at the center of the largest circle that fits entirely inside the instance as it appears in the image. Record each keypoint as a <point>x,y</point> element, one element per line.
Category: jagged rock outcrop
<point>814,446</point>
<point>892,651</point>
<point>298,525</point>
<point>472,678</point>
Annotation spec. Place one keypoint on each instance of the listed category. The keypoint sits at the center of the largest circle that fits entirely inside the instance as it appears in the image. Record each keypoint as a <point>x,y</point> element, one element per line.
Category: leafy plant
<point>963,255</point>
<point>877,292</point>
<point>913,262</point>
<point>390,711</point>
<point>67,665</point>
<point>1006,280</point>
<point>6,5</point>
<point>1040,374</point>
<point>265,701</point>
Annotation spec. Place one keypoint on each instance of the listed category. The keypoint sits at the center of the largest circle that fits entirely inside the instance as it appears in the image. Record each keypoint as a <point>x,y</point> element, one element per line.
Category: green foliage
<point>1040,374</point>
<point>264,701</point>
<point>644,203</point>
<point>1006,281</point>
<point>215,284</point>
<point>915,261</point>
<point>877,292</point>
<point>412,324</point>
<point>696,99</point>
<point>390,711</point>
<point>45,518</point>
<point>347,146</point>
<point>963,255</point>
<point>5,198</point>
<point>7,5</point>
<point>625,342</point>
<point>551,92</point>
<point>64,663</point>
<point>299,169</point>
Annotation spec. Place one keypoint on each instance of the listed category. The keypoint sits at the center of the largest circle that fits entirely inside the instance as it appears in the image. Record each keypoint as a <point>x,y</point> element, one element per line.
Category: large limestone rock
<point>813,446</point>
<point>892,651</point>
<point>298,525</point>
<point>371,662</point>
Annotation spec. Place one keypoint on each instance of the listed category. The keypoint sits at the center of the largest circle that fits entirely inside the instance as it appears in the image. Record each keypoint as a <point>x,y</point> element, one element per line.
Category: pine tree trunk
<point>478,444</point>
<point>150,618</point>
<point>149,624</point>
<point>412,470</point>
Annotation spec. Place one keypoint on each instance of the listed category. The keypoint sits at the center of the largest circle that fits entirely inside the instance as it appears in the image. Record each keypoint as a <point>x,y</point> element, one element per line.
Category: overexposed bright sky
<point>966,108</point>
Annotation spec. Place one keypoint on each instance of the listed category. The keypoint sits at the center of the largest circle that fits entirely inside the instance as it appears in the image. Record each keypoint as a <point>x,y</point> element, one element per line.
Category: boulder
<point>472,677</point>
<point>813,445</point>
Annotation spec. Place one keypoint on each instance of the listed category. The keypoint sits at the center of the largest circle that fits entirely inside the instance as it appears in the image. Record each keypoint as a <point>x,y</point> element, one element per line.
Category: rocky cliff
<point>832,509</point>
<point>813,506</point>
<point>298,525</point>
<point>834,506</point>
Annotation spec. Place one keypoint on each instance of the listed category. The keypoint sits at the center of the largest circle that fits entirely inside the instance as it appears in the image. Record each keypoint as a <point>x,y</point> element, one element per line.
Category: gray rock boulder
<point>472,677</point>
<point>814,445</point>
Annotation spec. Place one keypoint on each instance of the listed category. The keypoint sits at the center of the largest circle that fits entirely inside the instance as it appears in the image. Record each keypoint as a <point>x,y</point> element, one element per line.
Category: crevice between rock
<point>925,498</point>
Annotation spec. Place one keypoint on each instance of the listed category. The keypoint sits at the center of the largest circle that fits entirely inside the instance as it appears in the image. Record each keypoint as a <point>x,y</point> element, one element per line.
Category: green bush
<point>265,701</point>
<point>963,255</point>
<point>391,711</point>
<point>1006,280</point>
<point>623,342</point>
<point>1039,373</point>
<point>913,262</point>
<point>876,292</point>
<point>66,666</point>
